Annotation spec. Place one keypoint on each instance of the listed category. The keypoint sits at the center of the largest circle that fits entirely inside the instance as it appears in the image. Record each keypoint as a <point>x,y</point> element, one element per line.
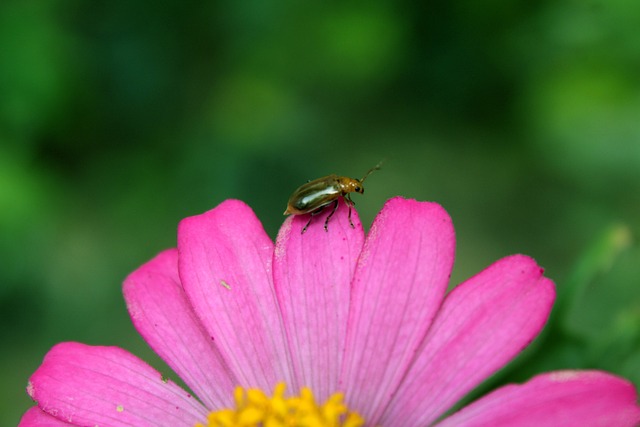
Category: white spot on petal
<point>120,408</point>
<point>134,310</point>
<point>30,389</point>
<point>283,236</point>
<point>563,376</point>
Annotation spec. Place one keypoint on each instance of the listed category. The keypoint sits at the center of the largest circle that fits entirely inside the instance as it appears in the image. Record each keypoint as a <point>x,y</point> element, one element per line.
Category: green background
<point>119,118</point>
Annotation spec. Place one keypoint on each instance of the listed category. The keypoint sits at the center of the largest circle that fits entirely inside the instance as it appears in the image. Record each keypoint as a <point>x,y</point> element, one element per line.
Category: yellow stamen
<point>255,409</point>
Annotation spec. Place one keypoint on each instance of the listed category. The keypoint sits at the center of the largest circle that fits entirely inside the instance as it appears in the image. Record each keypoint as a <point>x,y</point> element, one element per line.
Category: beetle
<point>314,196</point>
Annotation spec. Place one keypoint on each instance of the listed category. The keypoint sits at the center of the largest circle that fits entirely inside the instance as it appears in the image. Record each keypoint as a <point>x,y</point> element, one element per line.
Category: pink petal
<point>87,385</point>
<point>482,324</point>
<point>35,417</point>
<point>312,274</point>
<point>165,319</point>
<point>399,283</point>
<point>566,398</point>
<point>225,261</point>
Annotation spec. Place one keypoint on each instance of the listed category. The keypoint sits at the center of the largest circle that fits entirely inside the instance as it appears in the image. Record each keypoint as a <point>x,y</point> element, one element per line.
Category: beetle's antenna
<point>375,168</point>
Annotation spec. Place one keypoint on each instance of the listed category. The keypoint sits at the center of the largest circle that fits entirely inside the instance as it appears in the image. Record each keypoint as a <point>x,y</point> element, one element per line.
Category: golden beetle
<point>316,195</point>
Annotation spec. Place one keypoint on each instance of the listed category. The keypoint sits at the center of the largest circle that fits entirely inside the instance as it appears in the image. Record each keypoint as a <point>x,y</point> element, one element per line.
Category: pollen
<point>255,409</point>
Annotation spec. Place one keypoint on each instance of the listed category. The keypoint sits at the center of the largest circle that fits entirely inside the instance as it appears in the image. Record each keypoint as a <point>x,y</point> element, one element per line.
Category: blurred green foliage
<point>117,119</point>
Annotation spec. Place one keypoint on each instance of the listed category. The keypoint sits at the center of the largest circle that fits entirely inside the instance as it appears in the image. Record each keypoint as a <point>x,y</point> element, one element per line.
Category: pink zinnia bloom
<point>332,311</point>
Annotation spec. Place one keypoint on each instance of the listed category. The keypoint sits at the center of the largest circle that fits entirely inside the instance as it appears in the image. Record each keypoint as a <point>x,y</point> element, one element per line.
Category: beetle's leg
<point>311,215</point>
<point>326,222</point>
<point>308,222</point>
<point>350,203</point>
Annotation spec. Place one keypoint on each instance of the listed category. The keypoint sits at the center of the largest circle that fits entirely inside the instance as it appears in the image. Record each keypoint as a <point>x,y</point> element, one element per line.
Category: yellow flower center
<point>255,409</point>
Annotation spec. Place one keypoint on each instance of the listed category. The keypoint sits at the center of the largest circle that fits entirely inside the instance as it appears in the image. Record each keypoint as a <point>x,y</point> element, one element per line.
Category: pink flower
<point>332,311</point>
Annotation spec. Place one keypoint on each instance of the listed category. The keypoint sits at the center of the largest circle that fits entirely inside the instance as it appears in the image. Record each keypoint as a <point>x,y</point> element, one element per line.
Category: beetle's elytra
<point>314,196</point>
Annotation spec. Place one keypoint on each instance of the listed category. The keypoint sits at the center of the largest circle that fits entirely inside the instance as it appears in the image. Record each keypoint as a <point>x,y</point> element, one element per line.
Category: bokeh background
<point>119,118</point>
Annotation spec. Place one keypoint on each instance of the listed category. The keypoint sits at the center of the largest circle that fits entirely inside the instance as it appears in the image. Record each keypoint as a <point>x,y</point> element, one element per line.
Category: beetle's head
<point>351,185</point>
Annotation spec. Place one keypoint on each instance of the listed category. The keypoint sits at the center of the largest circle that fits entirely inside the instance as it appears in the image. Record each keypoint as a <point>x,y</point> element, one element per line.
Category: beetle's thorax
<point>350,185</point>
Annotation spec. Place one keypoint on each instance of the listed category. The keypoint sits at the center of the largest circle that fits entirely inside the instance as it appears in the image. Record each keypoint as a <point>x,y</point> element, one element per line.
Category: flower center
<point>255,409</point>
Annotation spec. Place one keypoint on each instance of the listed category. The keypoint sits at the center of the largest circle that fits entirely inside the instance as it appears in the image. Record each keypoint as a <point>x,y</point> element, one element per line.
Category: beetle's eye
<point>357,189</point>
